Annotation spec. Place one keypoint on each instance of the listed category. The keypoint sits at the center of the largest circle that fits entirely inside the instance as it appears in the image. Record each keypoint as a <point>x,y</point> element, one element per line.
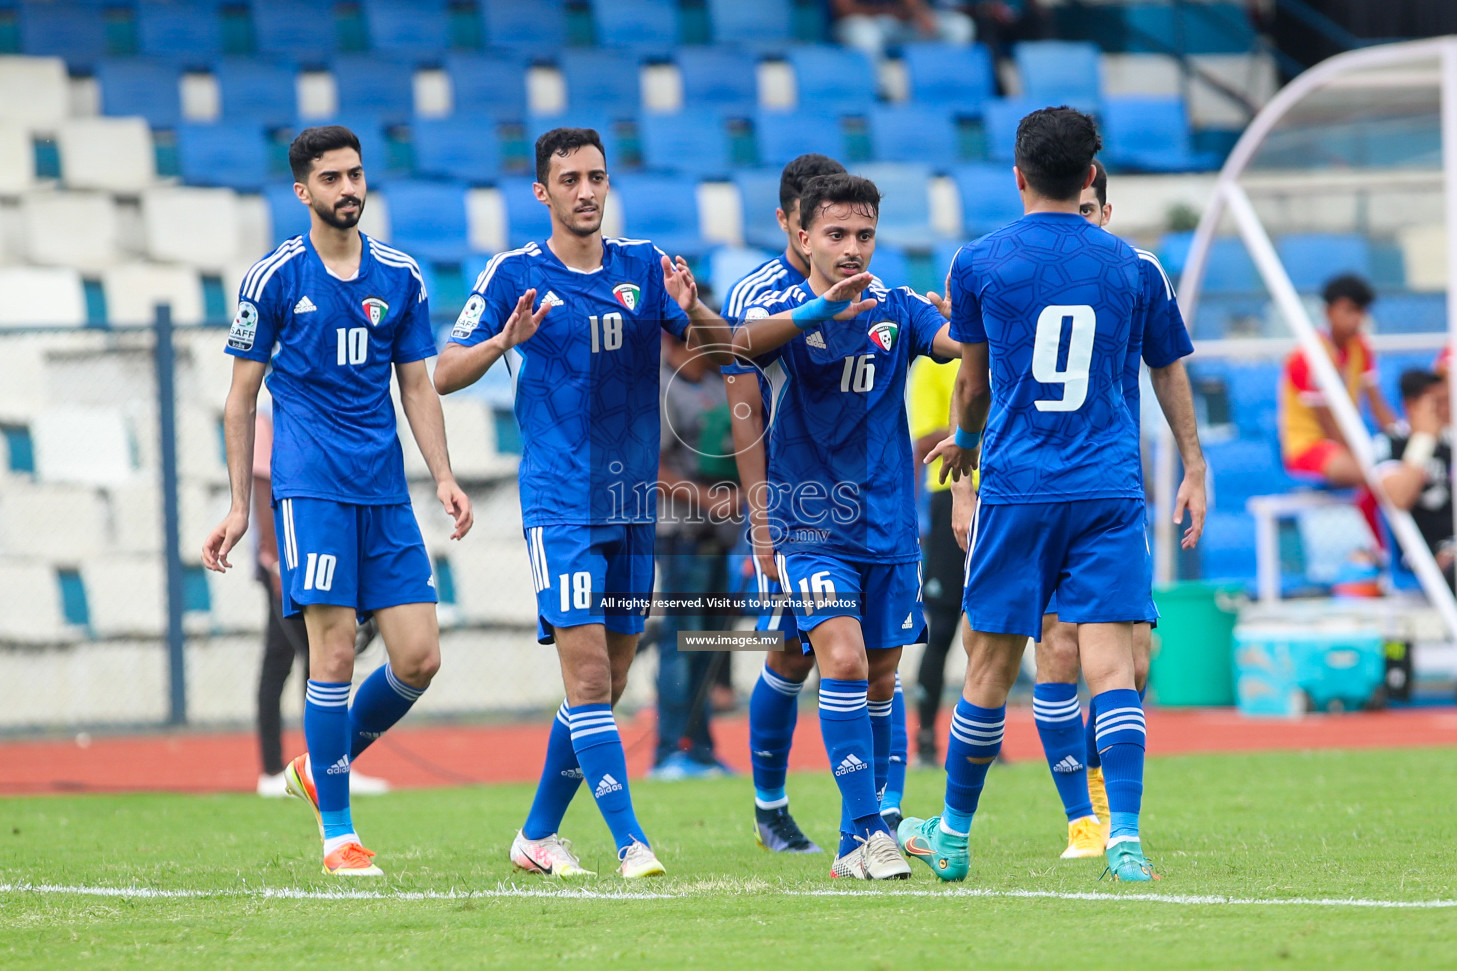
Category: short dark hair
<point>311,144</point>
<point>1055,147</point>
<point>800,171</point>
<point>563,141</point>
<point>1351,286</point>
<point>1417,382</point>
<point>841,189</point>
<point>1100,182</point>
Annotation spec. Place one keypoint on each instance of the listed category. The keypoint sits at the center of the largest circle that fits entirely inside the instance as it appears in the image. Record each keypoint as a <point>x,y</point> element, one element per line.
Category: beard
<point>579,228</point>
<point>338,220</point>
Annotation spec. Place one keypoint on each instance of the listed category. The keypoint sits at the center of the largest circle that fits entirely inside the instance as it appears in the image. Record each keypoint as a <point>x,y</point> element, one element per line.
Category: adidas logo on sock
<point>571,773</point>
<point>1068,765</point>
<point>816,339</point>
<point>907,624</point>
<point>304,306</point>
<point>764,753</point>
<point>340,767</point>
<point>850,764</point>
<point>608,784</point>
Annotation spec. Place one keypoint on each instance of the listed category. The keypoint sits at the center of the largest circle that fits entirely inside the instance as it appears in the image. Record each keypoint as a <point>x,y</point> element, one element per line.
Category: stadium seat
<point>41,297</point>
<point>175,234</point>
<point>487,84</point>
<point>76,229</point>
<point>1411,313</point>
<point>536,26</point>
<point>1056,72</point>
<point>81,444</point>
<point>602,81</point>
<point>913,133</point>
<point>1254,394</point>
<point>1141,74</point>
<point>186,33</point>
<point>294,29</point>
<point>414,29</point>
<point>758,22</point>
<point>1000,118</point>
<point>1227,548</point>
<point>1313,258</point>
<point>662,208</point>
<point>989,197</point>
<point>1244,467</point>
<point>47,88</point>
<point>66,522</point>
<point>134,86</point>
<point>30,605</point>
<point>17,159</point>
<point>692,142</point>
<point>114,154</point>
<point>461,147</point>
<point>729,264</point>
<point>232,154</point>
<point>954,78</point>
<point>905,203</point>
<point>66,30</point>
<point>785,135</point>
<point>1150,134</point>
<point>718,77</point>
<point>372,85</point>
<point>133,291</point>
<point>891,264</point>
<point>428,219</point>
<point>253,89</point>
<point>287,217</point>
<point>1193,28</point>
<point>111,585</point>
<point>1229,269</point>
<point>759,199</point>
<point>648,25</point>
<point>838,79</point>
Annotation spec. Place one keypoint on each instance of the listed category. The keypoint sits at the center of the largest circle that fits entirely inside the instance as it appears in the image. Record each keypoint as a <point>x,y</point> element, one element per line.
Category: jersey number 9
<point>1073,378</point>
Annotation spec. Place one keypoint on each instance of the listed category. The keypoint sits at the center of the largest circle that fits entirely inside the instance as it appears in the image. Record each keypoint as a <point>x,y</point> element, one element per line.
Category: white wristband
<point>1419,449</point>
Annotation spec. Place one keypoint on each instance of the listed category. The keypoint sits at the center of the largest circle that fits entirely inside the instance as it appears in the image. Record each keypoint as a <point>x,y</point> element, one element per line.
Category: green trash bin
<point>1193,661</point>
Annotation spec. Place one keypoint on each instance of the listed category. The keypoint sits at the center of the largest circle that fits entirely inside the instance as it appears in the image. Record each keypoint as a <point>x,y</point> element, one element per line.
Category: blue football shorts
<point>884,597</point>
<point>350,555</point>
<point>591,574</point>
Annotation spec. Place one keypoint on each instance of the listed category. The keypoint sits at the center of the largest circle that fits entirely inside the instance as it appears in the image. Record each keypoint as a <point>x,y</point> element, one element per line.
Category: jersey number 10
<point>606,333</point>
<point>353,345</point>
<point>1073,378</point>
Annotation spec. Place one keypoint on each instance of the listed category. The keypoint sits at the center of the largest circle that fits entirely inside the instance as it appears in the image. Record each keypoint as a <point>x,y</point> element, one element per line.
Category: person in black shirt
<point>1414,462</point>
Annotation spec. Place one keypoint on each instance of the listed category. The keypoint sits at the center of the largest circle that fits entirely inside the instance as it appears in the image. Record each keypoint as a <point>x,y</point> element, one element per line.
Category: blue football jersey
<point>768,277</point>
<point>1062,306</point>
<point>840,466</point>
<point>1165,338</point>
<point>586,382</point>
<point>332,343</point>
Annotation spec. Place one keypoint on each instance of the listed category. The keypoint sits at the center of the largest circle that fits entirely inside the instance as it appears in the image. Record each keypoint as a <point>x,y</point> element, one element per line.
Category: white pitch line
<point>294,893</point>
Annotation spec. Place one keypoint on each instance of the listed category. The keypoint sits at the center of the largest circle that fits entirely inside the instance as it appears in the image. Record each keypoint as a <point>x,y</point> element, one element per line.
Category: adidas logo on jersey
<point>816,339</point>
<point>304,306</point>
<point>552,300</point>
<point>910,620</point>
<point>851,764</point>
<point>1068,766</point>
<point>340,767</point>
<point>608,784</point>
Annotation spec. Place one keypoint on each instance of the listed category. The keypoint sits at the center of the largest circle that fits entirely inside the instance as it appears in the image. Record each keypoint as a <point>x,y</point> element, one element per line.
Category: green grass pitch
<point>1233,835</point>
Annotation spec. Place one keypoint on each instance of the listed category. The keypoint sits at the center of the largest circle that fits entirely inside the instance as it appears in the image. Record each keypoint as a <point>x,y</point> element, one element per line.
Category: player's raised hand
<point>678,281</point>
<point>523,323</point>
<point>943,304</point>
<point>457,503</point>
<point>850,289</point>
<point>222,539</point>
<point>1191,498</point>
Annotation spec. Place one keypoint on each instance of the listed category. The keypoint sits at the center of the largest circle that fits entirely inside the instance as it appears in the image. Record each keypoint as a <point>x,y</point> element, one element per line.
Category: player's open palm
<point>679,282</point>
<point>522,323</point>
<point>457,503</point>
<point>221,540</point>
<point>850,289</point>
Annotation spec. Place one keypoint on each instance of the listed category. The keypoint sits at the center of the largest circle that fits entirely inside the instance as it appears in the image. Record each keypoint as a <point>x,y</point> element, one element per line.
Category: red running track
<point>467,754</point>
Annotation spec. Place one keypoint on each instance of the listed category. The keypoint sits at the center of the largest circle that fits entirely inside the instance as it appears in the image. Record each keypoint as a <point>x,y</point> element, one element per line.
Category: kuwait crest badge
<point>882,335</point>
<point>374,310</point>
<point>627,294</point>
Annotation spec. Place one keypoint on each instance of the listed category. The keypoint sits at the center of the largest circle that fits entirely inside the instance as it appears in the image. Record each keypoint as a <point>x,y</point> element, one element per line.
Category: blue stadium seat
<point>66,30</point>
<point>537,26</point>
<point>905,204</point>
<point>691,142</point>
<point>373,146</point>
<point>488,84</point>
<point>645,25</point>
<point>428,219</point>
<point>1056,72</point>
<point>1411,313</point>
<point>233,155</point>
<point>1229,268</point>
<point>1194,28</point>
<point>1227,548</point>
<point>414,29</point>
<point>1150,134</point>
<point>718,77</point>
<point>1254,396</point>
<point>526,219</point>
<point>989,197</point>
<point>664,209</point>
<point>602,81</point>
<point>611,133</point>
<point>461,147</point>
<point>913,133</point>
<point>827,78</point>
<point>375,85</point>
<point>953,77</point>
<point>288,216</point>
<point>1000,119</point>
<point>1313,258</point>
<point>254,89</point>
<point>729,264</point>
<point>135,86</point>
<point>891,264</point>
<point>785,135</point>
<point>294,28</point>
<point>1244,467</point>
<point>185,32</point>
<point>759,198</point>
<point>757,22</point>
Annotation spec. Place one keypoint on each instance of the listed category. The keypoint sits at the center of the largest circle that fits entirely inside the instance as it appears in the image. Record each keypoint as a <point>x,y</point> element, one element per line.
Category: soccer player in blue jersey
<point>1048,311</point>
<point>577,318</point>
<point>333,312</point>
<point>836,349</point>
